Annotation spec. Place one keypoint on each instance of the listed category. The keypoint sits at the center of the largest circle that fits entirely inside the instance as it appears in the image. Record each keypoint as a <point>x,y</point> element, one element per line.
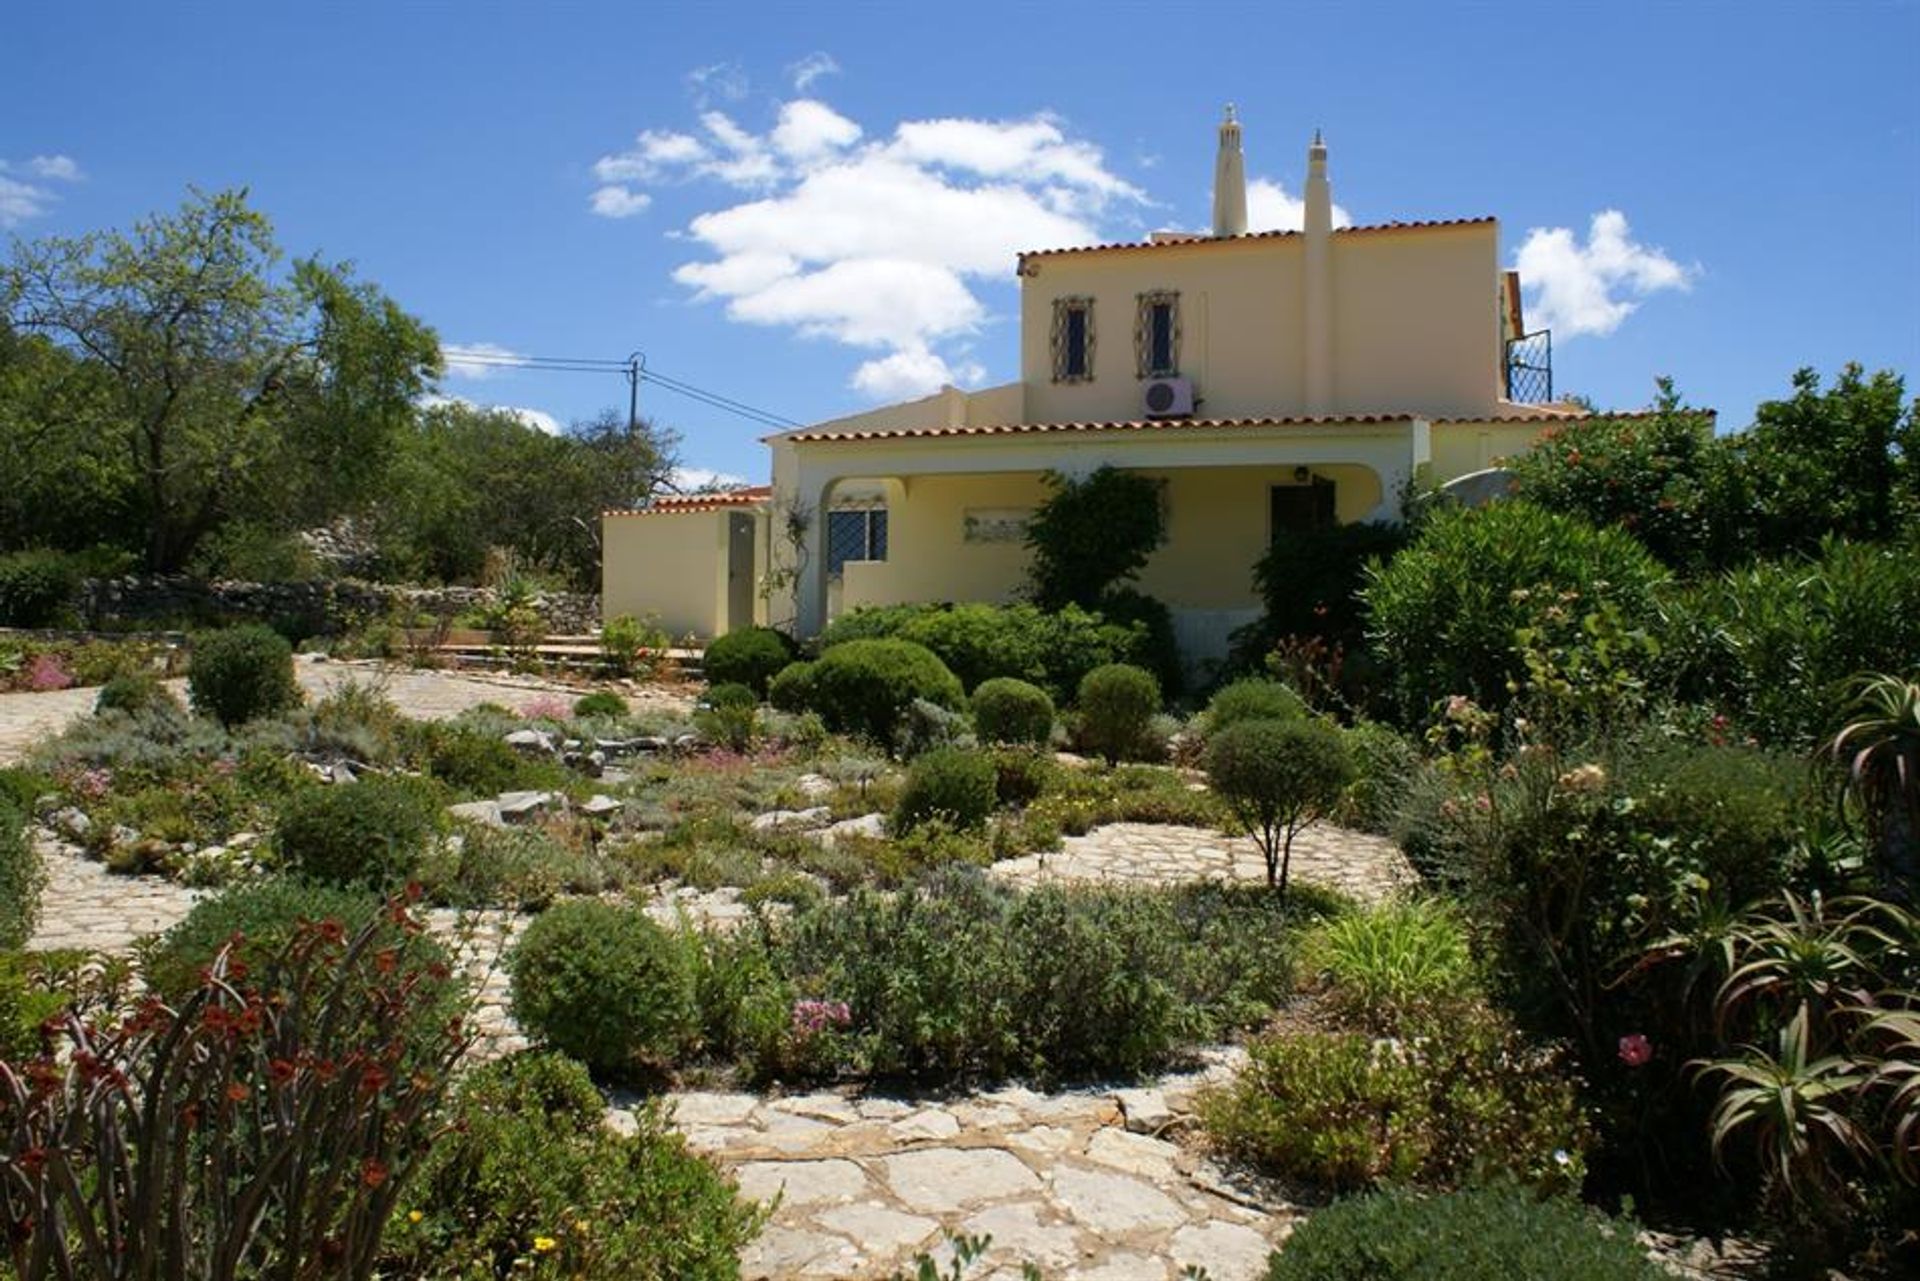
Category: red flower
<point>1635,1050</point>
<point>237,1092</point>
<point>373,1173</point>
<point>281,1071</point>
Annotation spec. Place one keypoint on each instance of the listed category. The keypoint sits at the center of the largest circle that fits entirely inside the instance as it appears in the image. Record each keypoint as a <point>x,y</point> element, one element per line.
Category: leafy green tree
<point>1091,534</point>
<point>231,388</point>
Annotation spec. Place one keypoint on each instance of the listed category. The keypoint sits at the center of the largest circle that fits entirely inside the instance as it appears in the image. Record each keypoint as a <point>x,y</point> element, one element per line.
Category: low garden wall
<point>316,607</point>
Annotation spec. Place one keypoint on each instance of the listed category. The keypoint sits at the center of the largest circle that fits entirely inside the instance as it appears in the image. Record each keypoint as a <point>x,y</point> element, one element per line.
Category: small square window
<point>1072,340</point>
<point>1156,334</point>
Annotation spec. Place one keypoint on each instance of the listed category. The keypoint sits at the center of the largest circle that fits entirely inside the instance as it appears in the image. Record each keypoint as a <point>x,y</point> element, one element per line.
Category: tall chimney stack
<point>1230,181</point>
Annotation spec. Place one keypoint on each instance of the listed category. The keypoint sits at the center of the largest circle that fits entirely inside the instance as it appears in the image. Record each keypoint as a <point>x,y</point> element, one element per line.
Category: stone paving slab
<point>1367,867</point>
<point>29,718</point>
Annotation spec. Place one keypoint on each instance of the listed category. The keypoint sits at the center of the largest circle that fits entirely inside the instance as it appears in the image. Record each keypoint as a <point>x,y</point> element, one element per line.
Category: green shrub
<point>477,762</point>
<point>1252,698</point>
<point>1279,777</point>
<point>865,686</point>
<point>36,587</point>
<point>792,689</point>
<point>731,694</point>
<point>134,692</point>
<point>1053,649</point>
<point>1385,762</point>
<point>530,1155</point>
<point>22,878</point>
<point>513,867</point>
<point>1310,582</point>
<point>1009,710</point>
<point>241,673</point>
<point>603,984</point>
<point>1776,644</point>
<point>1116,705</point>
<point>265,914</point>
<point>729,715</point>
<point>948,783</point>
<point>1021,774</point>
<point>601,702</point>
<point>1150,622</point>
<point>1456,1097</point>
<point>1495,1233</point>
<point>625,640</point>
<point>751,656</point>
<point>1445,614</point>
<point>1092,533</point>
<point>25,1003</point>
<point>1384,961</point>
<point>370,833</point>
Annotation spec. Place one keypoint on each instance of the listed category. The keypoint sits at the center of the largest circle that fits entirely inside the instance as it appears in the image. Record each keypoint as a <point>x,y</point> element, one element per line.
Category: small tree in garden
<point>1088,535</point>
<point>1279,777</point>
<point>266,1126</point>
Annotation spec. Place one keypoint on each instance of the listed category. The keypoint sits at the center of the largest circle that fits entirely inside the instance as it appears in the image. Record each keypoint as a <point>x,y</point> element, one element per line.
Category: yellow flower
<point>414,1216</point>
<point>581,1225</point>
<point>544,1244</point>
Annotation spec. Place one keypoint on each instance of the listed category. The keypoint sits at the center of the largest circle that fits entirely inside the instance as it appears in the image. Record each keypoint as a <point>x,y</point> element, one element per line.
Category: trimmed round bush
<point>1117,704</point>
<point>603,984</point>
<point>752,656</point>
<point>792,689</point>
<point>368,833</point>
<point>731,694</point>
<point>602,702</point>
<point>865,686</point>
<point>242,673</point>
<point>1006,710</point>
<point>262,914</point>
<point>1499,1232</point>
<point>1252,698</point>
<point>134,693</point>
<point>950,784</point>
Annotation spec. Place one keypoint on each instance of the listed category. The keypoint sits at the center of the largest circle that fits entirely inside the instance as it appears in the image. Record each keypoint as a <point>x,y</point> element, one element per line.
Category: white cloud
<point>478,360</point>
<point>810,69</point>
<point>61,168</point>
<point>913,372</point>
<point>1271,208</point>
<point>809,130</point>
<point>722,81</point>
<point>876,242</point>
<point>25,197</point>
<point>538,419</point>
<point>619,202</point>
<point>697,480</point>
<point>1575,289</point>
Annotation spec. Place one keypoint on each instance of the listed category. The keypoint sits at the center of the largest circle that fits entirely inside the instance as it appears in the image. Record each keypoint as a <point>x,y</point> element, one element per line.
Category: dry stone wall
<point>320,606</point>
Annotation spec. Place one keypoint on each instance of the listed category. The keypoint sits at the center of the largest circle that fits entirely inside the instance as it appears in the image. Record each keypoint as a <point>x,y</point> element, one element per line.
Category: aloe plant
<point>1880,749</point>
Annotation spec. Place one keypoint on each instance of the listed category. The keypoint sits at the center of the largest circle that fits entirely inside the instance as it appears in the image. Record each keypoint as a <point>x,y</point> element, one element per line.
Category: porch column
<point>810,591</point>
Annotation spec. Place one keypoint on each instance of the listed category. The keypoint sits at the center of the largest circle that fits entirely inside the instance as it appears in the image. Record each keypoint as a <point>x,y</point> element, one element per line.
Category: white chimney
<point>1230,181</point>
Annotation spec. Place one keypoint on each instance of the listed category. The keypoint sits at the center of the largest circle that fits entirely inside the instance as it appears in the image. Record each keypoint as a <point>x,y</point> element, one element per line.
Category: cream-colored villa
<point>1274,381</point>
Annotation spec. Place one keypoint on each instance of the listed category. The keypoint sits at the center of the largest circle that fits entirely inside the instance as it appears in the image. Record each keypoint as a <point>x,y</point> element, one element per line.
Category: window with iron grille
<point>1156,334</point>
<point>1072,340</point>
<point>856,534</point>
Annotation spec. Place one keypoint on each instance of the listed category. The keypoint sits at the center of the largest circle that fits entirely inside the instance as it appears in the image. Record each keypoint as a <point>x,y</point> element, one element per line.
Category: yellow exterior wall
<point>1462,448</point>
<point>1218,525</point>
<point>673,567</point>
<point>1415,318</point>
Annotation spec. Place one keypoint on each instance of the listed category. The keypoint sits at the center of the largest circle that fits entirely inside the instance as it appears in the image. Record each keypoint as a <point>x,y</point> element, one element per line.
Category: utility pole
<point>636,363</point>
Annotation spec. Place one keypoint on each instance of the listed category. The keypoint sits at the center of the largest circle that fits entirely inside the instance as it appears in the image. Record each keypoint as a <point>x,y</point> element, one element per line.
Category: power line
<point>633,368</point>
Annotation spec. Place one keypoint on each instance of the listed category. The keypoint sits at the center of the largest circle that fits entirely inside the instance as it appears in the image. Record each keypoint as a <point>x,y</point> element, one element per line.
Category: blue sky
<point>815,208</point>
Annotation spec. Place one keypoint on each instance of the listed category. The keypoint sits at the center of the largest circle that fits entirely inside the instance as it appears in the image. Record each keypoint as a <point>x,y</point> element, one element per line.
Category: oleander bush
<point>1456,1097</point>
<point>530,1158</point>
<point>241,673</point>
<point>750,656</point>
<point>1499,1232</point>
<point>371,833</point>
<point>1115,707</point>
<point>1009,710</point>
<point>603,984</point>
<point>865,686</point>
<point>36,587</point>
<point>951,784</point>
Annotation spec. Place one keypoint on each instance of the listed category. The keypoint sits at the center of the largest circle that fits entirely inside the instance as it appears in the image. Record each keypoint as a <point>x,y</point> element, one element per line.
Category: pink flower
<point>45,673</point>
<point>93,783</point>
<point>810,1016</point>
<point>1635,1050</point>
<point>547,707</point>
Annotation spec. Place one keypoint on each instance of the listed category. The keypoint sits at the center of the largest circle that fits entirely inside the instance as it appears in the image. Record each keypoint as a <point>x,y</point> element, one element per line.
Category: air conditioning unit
<point>1169,398</point>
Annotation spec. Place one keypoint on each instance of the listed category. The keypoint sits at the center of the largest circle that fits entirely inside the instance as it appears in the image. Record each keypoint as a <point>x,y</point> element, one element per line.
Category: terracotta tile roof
<point>1143,424</point>
<point>1171,242</point>
<point>680,504</point>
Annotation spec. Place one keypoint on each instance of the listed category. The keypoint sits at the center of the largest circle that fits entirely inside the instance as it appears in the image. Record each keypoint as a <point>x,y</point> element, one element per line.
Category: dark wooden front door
<point>1301,509</point>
